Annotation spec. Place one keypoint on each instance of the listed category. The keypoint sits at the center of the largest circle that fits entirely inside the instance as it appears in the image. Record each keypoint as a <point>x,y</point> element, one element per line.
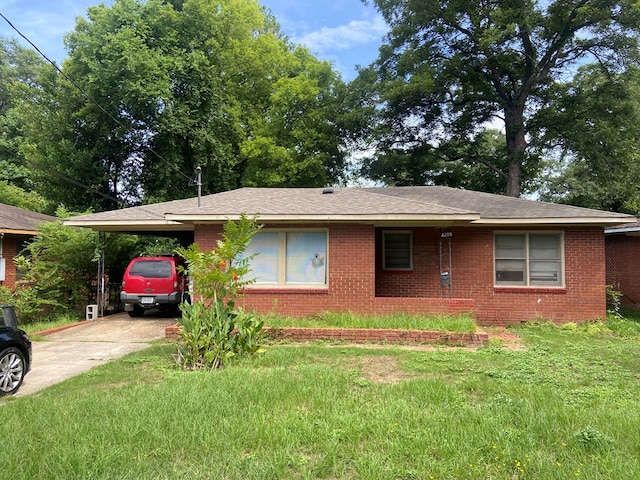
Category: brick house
<point>17,226</point>
<point>423,249</point>
<point>622,246</point>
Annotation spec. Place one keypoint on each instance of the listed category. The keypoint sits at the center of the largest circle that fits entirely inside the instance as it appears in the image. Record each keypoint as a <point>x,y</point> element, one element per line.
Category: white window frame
<point>282,260</point>
<point>409,233</point>
<point>527,281</point>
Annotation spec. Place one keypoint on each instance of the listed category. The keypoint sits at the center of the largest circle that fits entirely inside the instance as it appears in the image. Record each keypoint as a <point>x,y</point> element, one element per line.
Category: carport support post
<point>100,284</point>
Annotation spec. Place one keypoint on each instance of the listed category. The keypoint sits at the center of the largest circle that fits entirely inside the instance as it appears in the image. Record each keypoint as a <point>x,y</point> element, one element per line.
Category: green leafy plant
<point>59,269</point>
<point>591,438</point>
<point>614,301</point>
<point>213,329</point>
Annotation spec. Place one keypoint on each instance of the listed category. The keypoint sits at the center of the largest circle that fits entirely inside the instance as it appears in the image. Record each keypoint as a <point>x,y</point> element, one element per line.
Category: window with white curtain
<point>288,258</point>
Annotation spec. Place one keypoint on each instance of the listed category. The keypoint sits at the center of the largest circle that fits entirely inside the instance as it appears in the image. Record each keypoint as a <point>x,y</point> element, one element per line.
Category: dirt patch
<point>383,369</point>
<point>509,340</point>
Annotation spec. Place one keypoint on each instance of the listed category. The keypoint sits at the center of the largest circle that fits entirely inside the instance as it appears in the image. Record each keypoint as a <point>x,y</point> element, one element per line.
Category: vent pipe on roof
<point>327,191</point>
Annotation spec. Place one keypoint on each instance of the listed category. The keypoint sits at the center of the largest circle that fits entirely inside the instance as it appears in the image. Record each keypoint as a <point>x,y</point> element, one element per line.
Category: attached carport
<point>147,220</point>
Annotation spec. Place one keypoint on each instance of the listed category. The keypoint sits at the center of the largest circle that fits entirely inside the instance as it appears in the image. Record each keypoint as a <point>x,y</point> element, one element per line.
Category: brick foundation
<point>364,335</point>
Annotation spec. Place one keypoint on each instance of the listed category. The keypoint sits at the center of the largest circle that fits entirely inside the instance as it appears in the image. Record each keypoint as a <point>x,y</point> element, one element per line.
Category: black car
<point>15,358</point>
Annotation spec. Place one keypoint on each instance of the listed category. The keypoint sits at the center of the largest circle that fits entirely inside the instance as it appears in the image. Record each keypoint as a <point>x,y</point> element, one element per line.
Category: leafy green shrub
<point>614,301</point>
<point>213,334</point>
<point>31,304</point>
<point>59,266</point>
<point>593,439</point>
<point>213,330</point>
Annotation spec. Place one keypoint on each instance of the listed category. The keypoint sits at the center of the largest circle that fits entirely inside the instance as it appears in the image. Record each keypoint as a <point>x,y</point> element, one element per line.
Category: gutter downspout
<point>2,260</point>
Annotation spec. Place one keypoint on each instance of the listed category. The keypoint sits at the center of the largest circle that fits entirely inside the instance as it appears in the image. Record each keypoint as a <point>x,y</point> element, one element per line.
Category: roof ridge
<point>381,191</point>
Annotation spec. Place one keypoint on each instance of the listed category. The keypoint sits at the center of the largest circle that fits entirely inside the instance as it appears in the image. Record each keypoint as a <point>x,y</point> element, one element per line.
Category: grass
<point>565,406</point>
<point>448,323</point>
<point>34,327</point>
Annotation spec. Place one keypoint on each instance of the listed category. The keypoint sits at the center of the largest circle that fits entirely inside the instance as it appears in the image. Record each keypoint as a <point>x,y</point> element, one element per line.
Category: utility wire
<point>60,175</point>
<point>67,178</point>
<point>86,95</point>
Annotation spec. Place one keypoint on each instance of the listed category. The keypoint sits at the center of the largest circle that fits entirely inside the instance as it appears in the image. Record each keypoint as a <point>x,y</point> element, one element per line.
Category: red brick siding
<point>583,297</point>
<point>9,246</point>
<point>357,282</point>
<point>424,279</point>
<point>623,267</point>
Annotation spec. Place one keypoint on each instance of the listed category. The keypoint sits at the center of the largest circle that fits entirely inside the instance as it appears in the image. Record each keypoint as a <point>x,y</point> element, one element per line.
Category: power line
<point>85,94</point>
<point>77,183</point>
<point>60,175</point>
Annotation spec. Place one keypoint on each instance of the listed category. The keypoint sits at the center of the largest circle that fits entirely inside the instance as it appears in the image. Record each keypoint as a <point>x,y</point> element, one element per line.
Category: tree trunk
<point>516,149</point>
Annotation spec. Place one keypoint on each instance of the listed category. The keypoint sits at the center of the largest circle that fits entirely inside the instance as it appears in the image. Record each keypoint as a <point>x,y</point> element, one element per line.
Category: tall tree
<point>450,68</point>
<point>20,71</point>
<point>594,129</point>
<point>162,87</point>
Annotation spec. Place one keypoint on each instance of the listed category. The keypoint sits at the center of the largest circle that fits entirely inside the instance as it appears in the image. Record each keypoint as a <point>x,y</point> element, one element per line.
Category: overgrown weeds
<point>563,407</point>
<point>446,323</point>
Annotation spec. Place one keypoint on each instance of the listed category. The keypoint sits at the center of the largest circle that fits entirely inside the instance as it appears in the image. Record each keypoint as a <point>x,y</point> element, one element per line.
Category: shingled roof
<point>426,205</point>
<point>19,221</point>
<point>631,229</point>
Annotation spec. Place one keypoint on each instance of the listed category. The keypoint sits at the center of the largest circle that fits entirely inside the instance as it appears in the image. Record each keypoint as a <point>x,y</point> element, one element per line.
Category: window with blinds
<point>528,259</point>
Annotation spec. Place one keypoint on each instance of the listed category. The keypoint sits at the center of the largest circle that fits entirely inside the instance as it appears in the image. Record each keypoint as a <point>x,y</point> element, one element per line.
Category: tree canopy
<point>449,69</point>
<point>20,69</point>
<point>153,89</point>
<point>596,162</point>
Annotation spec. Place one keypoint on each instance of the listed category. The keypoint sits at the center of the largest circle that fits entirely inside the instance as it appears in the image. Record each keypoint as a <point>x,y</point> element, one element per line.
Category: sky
<point>345,32</point>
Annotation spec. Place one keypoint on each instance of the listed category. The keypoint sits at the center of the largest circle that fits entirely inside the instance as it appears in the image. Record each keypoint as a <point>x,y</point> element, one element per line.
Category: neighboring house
<point>623,261</point>
<point>17,226</point>
<point>402,249</point>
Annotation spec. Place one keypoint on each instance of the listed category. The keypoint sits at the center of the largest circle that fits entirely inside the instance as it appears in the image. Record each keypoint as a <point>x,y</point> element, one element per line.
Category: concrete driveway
<point>70,352</point>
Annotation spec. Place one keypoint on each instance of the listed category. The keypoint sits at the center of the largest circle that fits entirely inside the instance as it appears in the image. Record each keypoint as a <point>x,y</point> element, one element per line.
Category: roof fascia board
<point>117,226</point>
<point>550,221</point>
<point>324,218</point>
<point>134,223</point>
<point>10,231</point>
<point>630,231</point>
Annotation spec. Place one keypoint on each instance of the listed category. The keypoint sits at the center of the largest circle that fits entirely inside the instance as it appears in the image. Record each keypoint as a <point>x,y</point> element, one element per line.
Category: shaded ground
<point>67,352</point>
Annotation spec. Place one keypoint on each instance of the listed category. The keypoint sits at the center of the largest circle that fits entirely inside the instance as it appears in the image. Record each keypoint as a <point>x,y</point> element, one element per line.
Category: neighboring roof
<point>427,205</point>
<point>20,221</point>
<point>631,229</point>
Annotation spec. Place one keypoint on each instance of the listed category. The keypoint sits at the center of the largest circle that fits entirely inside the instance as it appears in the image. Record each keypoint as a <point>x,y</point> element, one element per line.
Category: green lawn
<point>567,405</point>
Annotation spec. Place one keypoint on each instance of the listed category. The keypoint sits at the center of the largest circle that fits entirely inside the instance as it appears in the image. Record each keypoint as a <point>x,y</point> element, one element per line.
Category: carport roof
<point>425,205</point>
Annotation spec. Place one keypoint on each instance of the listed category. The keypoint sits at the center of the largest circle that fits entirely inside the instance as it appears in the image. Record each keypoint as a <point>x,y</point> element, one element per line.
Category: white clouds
<point>44,22</point>
<point>345,32</point>
<point>345,37</point>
